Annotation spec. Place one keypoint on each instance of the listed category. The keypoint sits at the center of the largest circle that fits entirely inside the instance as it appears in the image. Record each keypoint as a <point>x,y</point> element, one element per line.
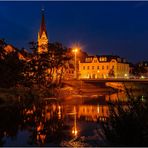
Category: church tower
<point>42,36</point>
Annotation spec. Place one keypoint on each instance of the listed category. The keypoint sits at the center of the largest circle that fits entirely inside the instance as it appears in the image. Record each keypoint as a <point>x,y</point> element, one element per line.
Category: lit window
<point>88,110</point>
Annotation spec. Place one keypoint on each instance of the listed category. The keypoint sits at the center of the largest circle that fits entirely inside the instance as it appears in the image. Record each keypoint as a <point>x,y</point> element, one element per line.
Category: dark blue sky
<point>119,28</point>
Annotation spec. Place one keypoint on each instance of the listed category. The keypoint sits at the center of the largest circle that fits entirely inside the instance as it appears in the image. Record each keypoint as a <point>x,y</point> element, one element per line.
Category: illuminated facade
<point>106,66</point>
<point>42,36</point>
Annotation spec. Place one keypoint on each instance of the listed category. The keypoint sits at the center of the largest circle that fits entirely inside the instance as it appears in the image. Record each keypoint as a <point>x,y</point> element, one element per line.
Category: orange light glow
<point>77,45</point>
<point>75,131</point>
<point>75,50</point>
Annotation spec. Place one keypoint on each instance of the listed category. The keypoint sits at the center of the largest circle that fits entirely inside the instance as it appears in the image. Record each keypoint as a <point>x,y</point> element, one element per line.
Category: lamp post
<point>75,52</point>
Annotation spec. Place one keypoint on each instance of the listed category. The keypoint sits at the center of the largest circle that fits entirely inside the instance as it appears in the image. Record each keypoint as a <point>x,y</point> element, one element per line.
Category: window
<point>92,67</point>
<point>97,67</point>
<point>107,67</point>
<point>87,67</point>
<point>102,67</point>
<point>83,67</point>
<point>87,110</point>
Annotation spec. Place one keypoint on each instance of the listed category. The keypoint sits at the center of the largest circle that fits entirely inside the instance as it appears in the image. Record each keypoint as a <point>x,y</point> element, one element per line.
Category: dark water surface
<point>53,123</point>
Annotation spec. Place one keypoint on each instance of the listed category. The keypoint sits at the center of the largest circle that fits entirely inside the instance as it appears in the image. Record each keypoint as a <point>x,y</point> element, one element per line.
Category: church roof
<point>43,26</point>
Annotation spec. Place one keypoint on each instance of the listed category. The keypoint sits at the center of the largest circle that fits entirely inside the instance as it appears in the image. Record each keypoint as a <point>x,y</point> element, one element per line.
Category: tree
<point>46,68</point>
<point>2,45</point>
<point>127,124</point>
<point>138,70</point>
<point>10,67</point>
<point>32,68</point>
<point>111,72</point>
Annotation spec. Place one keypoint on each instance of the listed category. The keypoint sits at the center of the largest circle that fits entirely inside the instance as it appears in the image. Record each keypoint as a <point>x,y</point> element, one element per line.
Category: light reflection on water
<point>50,123</point>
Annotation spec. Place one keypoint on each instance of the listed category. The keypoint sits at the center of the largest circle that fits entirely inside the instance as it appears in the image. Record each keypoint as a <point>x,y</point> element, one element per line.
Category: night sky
<point>119,28</point>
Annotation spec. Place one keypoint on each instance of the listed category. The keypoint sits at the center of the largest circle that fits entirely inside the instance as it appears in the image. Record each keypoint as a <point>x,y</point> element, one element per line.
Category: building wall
<point>96,69</point>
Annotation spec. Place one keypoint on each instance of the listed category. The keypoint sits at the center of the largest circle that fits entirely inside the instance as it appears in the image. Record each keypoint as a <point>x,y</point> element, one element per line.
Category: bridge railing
<point>115,79</point>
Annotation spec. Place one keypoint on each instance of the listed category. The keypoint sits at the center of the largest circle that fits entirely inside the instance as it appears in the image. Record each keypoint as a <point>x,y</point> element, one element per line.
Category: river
<point>51,122</point>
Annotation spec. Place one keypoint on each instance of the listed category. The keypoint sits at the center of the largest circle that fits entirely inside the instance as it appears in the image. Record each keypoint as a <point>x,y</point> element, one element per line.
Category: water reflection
<point>92,112</point>
<point>49,122</point>
<point>45,123</point>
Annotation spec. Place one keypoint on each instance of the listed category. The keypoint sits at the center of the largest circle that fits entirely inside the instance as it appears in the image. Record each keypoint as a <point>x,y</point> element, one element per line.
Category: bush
<point>127,124</point>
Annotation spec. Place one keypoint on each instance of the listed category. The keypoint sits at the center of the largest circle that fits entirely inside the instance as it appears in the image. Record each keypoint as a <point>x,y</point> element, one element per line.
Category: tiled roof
<point>108,58</point>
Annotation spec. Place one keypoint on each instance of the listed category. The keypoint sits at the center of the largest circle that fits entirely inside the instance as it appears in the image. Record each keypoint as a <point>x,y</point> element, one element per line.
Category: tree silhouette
<point>127,124</point>
<point>138,70</point>
<point>47,67</point>
<point>10,67</point>
<point>111,72</point>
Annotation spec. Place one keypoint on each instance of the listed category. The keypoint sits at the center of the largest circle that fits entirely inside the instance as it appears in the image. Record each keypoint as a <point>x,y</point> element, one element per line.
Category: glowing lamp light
<point>75,50</point>
<point>125,75</point>
<point>98,108</point>
<point>75,132</point>
<point>142,77</point>
<point>142,98</point>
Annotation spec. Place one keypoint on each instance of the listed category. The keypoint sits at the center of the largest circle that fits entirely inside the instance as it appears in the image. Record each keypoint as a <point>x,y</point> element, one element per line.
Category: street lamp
<point>75,52</point>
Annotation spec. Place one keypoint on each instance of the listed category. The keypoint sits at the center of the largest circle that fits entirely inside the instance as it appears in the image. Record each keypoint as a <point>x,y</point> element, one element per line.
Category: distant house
<point>103,66</point>
<point>69,72</point>
<point>144,66</point>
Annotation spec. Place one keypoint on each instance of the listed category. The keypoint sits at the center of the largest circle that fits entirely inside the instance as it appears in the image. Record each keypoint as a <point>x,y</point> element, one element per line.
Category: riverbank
<point>131,86</point>
<point>76,89</point>
<point>70,90</point>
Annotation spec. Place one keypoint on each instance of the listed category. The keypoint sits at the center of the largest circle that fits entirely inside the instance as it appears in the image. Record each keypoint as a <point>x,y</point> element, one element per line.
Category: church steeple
<point>42,36</point>
<point>43,26</point>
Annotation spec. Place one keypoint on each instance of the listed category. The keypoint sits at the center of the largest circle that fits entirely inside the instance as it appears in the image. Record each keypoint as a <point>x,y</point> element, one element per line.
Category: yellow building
<point>42,36</point>
<point>106,66</point>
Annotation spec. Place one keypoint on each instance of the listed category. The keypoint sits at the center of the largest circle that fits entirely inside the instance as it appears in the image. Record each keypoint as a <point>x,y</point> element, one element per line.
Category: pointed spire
<point>43,26</point>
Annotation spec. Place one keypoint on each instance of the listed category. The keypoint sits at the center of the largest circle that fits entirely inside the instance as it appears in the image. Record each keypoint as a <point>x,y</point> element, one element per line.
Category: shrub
<point>127,124</point>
